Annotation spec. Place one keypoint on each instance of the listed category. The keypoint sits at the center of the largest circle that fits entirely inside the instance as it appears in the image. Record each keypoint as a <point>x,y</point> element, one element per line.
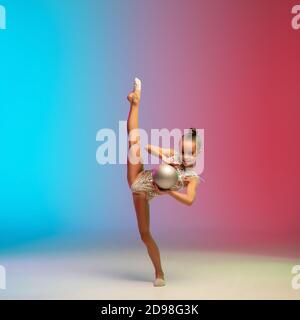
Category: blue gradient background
<point>59,61</point>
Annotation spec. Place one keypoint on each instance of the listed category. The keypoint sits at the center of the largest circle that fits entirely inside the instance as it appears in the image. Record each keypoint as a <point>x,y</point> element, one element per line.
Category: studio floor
<point>126,273</point>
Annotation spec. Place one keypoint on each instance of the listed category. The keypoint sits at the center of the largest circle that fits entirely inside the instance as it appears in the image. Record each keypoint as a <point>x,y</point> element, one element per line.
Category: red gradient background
<point>231,68</point>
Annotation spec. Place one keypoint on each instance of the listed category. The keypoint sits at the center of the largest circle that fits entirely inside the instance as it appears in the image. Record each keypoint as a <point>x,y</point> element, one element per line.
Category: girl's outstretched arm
<point>159,152</point>
<point>190,195</point>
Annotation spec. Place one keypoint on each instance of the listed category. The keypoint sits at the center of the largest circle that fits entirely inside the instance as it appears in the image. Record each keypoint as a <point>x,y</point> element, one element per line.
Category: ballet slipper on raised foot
<point>135,96</point>
<point>159,282</point>
<point>137,84</point>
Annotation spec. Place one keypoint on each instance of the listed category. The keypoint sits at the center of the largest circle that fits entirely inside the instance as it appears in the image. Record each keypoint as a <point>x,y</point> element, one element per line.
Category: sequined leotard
<point>144,181</point>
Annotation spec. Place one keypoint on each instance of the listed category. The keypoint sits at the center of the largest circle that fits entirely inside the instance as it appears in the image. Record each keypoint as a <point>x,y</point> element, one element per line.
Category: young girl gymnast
<point>142,184</point>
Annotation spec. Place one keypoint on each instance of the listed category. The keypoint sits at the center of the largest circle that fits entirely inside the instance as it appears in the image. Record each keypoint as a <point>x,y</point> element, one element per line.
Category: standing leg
<point>141,205</point>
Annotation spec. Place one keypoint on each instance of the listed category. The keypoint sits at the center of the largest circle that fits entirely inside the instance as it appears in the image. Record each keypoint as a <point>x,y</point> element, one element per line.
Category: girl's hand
<point>186,180</point>
<point>160,191</point>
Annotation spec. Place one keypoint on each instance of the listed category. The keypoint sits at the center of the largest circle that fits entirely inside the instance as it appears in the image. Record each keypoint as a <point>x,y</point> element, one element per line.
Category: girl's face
<point>188,152</point>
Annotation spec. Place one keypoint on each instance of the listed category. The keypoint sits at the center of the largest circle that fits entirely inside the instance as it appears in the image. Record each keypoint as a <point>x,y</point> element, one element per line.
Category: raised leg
<point>134,151</point>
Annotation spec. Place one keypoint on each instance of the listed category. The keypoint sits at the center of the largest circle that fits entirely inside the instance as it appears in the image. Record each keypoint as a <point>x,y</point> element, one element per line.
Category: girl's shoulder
<point>191,174</point>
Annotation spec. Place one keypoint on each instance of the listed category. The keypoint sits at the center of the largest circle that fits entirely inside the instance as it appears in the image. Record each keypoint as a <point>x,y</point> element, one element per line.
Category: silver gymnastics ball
<point>165,176</point>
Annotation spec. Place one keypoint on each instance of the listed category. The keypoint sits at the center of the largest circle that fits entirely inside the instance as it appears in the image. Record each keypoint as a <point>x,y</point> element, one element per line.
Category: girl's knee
<point>135,155</point>
<point>146,236</point>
